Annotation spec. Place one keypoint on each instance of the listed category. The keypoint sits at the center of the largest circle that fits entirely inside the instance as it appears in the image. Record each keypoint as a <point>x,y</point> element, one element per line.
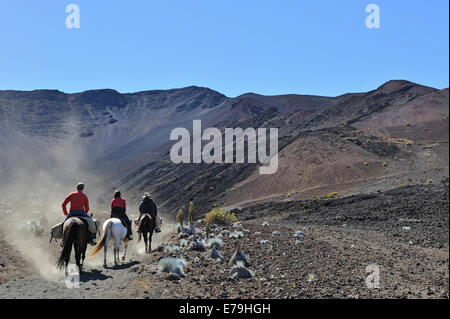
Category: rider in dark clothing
<point>148,206</point>
<point>118,210</point>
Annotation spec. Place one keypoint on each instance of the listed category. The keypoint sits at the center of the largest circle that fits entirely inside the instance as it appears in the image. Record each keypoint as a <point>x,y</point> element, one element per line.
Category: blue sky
<point>319,47</point>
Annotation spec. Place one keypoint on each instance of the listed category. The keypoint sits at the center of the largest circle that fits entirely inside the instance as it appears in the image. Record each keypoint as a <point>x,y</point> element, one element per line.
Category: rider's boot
<point>128,237</point>
<point>157,229</point>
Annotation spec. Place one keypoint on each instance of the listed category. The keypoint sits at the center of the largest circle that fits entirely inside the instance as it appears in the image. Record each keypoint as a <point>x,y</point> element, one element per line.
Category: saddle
<point>56,231</point>
<point>121,218</point>
<point>138,220</point>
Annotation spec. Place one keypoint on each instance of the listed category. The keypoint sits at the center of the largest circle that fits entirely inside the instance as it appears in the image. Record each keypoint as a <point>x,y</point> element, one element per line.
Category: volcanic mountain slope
<point>353,143</point>
<point>393,136</point>
<point>103,131</point>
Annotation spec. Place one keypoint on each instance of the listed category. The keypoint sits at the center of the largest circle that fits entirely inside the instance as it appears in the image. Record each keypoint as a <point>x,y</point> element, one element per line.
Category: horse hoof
<point>104,266</point>
<point>123,258</point>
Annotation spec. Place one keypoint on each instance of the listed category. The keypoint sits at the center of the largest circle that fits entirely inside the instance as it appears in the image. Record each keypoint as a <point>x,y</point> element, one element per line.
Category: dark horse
<point>76,233</point>
<point>146,227</point>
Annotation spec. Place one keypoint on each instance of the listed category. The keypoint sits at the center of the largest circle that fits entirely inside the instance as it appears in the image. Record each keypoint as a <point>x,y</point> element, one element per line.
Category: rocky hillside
<point>394,135</point>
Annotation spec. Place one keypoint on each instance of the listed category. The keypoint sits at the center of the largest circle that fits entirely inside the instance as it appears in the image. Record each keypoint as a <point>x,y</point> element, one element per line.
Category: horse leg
<point>150,241</point>
<point>145,241</point>
<point>83,255</point>
<point>77,256</point>
<point>116,251</point>
<point>125,250</point>
<point>108,234</point>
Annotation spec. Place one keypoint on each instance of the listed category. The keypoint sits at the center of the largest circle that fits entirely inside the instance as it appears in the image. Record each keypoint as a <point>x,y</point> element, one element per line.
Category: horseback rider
<point>148,206</point>
<point>79,207</point>
<point>118,210</point>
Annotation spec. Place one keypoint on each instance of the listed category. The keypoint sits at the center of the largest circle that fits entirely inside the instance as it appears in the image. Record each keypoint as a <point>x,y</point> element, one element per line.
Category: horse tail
<point>64,258</point>
<point>139,236</point>
<point>101,243</point>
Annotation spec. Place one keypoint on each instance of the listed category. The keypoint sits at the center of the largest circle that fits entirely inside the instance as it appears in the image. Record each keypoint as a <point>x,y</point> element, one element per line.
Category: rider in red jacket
<point>119,209</point>
<point>79,206</point>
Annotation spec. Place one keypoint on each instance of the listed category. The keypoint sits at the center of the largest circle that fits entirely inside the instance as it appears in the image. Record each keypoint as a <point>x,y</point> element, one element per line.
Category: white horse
<point>114,227</point>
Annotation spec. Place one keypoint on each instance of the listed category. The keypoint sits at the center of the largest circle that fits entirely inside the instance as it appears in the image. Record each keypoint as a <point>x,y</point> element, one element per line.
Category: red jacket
<point>118,205</point>
<point>78,201</point>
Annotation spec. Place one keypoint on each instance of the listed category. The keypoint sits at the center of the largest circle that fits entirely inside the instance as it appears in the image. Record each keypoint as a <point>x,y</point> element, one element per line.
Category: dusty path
<point>403,231</point>
<point>95,282</point>
<point>34,274</point>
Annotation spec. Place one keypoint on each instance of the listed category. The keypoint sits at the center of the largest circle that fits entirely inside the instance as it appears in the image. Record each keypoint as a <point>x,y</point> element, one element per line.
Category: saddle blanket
<point>56,231</point>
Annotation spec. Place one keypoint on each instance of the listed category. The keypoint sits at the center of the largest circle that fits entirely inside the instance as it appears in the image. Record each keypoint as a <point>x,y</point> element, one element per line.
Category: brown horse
<point>76,233</point>
<point>146,227</point>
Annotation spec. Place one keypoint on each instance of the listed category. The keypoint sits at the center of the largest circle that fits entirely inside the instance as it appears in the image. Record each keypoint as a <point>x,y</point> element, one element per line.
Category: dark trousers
<point>124,217</point>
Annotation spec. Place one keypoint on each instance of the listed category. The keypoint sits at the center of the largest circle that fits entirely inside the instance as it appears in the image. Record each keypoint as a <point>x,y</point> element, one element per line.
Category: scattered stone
<point>238,272</point>
<point>183,243</point>
<point>299,234</point>
<point>198,245</point>
<point>183,235</point>
<point>225,233</point>
<point>215,254</point>
<point>276,233</point>
<point>236,234</point>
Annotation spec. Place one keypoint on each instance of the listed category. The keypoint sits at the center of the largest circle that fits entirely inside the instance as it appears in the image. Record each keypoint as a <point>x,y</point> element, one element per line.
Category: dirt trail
<point>29,269</point>
<point>403,231</point>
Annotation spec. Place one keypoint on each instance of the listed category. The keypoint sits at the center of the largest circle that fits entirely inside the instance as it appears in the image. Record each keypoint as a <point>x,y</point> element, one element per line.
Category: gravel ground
<point>403,232</point>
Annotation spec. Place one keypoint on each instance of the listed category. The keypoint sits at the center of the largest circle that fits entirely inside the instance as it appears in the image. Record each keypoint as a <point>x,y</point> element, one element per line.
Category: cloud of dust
<point>33,185</point>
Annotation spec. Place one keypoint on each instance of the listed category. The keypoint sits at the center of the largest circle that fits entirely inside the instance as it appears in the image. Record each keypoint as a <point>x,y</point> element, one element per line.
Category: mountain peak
<point>399,85</point>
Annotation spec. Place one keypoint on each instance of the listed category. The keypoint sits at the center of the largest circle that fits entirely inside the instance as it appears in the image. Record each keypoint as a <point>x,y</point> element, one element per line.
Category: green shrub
<point>191,213</point>
<point>219,216</point>
<point>180,217</point>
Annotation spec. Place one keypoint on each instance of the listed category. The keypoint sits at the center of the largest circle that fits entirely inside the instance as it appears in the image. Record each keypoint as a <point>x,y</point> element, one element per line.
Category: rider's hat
<point>146,194</point>
<point>80,186</point>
